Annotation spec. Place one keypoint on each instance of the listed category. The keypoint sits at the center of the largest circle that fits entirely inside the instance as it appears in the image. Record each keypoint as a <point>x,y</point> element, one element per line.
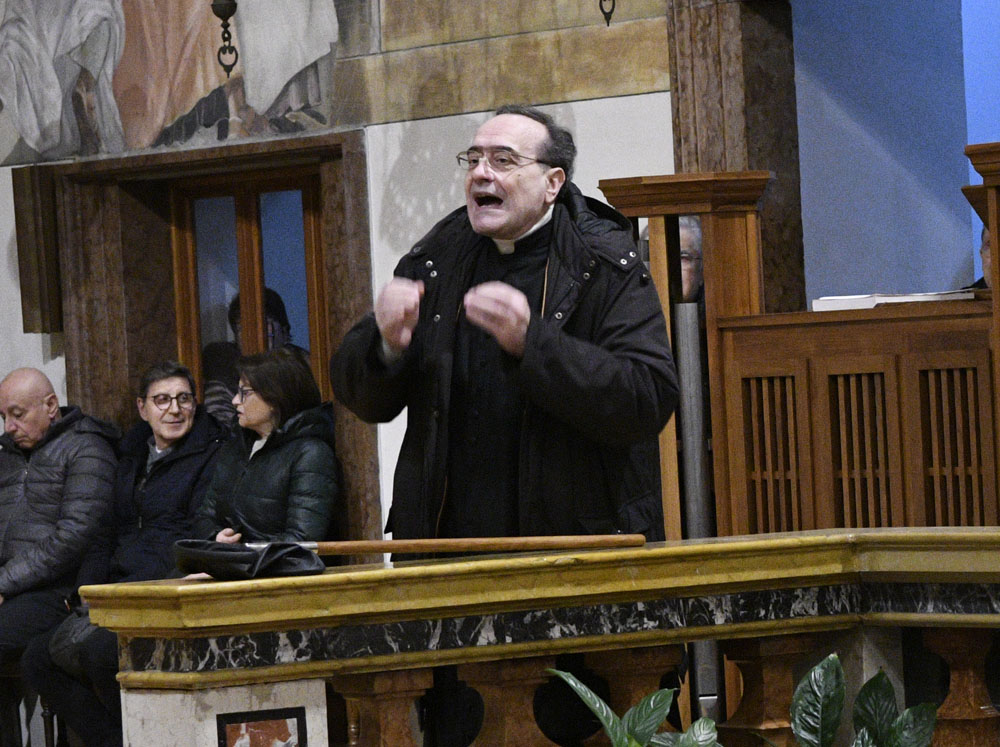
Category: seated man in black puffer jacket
<point>166,464</point>
<point>56,471</point>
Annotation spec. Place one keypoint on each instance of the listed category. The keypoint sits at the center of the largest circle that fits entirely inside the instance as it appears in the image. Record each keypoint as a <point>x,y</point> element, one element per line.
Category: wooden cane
<point>471,544</point>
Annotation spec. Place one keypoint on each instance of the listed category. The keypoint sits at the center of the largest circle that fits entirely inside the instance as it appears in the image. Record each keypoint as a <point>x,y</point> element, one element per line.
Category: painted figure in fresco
<point>89,76</point>
<point>280,54</point>
<point>57,59</point>
<point>171,88</point>
<point>165,466</point>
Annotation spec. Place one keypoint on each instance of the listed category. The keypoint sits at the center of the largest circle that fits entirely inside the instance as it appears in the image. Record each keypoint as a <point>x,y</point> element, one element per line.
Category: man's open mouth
<point>488,200</point>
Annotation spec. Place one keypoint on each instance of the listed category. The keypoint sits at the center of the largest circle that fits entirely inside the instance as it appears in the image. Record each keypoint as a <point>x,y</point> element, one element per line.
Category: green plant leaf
<point>875,708</point>
<point>863,739</point>
<point>612,725</point>
<point>665,739</point>
<point>703,732</point>
<point>642,720</point>
<point>914,728</point>
<point>818,703</point>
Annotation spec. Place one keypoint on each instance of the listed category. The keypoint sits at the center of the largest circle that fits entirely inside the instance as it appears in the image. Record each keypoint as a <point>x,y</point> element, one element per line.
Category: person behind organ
<point>985,255</point>
<point>692,280</point>
<point>525,338</point>
<point>57,469</point>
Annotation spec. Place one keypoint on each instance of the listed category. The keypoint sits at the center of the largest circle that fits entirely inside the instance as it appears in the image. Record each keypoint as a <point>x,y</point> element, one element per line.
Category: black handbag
<point>68,638</point>
<point>234,562</point>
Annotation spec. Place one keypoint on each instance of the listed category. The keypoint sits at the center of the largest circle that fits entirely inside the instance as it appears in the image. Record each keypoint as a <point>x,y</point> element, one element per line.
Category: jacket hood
<point>316,422</point>
<point>591,216</point>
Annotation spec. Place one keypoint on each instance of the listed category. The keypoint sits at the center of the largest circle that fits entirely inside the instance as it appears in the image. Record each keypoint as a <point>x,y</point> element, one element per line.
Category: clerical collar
<point>506,246</point>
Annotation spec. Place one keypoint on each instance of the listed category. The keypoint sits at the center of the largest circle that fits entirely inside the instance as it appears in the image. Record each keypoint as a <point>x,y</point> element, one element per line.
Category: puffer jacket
<point>597,376</point>
<point>288,490</point>
<point>52,499</point>
<point>148,515</point>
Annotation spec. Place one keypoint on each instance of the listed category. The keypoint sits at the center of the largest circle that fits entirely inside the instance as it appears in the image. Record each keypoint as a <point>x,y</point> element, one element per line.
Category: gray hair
<point>691,223</point>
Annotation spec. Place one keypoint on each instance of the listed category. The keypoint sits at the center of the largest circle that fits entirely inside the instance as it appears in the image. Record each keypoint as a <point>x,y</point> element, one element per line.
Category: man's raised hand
<point>397,310</point>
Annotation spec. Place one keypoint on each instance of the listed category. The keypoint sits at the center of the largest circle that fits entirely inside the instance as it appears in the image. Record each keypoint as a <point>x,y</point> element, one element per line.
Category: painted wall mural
<point>82,77</point>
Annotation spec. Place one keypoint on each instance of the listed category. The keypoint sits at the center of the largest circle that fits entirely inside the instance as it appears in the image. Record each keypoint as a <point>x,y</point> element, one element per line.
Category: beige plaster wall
<point>453,74</point>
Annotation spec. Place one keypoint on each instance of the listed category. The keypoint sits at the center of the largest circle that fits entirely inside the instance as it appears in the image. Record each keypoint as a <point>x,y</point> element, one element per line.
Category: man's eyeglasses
<point>185,400</point>
<point>501,160</point>
<point>244,392</point>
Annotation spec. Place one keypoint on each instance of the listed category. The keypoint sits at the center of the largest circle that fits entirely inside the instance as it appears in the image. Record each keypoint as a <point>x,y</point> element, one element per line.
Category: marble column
<point>771,668</point>
<point>381,706</point>
<point>966,716</point>
<point>732,75</point>
<point>508,690</point>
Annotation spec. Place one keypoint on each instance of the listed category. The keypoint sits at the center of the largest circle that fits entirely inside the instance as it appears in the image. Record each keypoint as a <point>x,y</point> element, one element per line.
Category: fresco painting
<point>83,77</point>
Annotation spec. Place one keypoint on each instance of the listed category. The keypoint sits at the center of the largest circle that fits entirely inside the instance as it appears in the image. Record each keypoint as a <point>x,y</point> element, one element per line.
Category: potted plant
<point>637,728</point>
<point>818,703</point>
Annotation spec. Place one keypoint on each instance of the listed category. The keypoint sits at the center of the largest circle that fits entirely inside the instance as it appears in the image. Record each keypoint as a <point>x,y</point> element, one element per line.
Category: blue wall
<point>882,127</point>
<point>981,34</point>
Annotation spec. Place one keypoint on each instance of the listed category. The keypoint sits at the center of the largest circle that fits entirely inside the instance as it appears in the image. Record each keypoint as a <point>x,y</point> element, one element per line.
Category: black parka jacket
<point>597,375</point>
<point>52,499</point>
<point>150,513</point>
<point>288,491</point>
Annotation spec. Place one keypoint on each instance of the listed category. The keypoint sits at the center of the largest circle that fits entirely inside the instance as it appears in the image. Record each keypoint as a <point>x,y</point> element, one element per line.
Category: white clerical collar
<point>506,246</point>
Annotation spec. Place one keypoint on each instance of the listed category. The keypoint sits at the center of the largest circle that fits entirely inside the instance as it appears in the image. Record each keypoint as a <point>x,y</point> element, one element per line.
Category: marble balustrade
<point>372,633</point>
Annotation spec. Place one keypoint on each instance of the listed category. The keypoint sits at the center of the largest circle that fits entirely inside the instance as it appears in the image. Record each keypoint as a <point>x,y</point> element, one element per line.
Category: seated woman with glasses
<point>164,469</point>
<point>279,479</point>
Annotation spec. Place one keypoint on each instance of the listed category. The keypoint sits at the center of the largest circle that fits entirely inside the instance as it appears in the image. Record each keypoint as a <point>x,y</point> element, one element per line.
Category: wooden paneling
<point>899,413</point>
<point>767,448</point>
<point>950,447</point>
<point>856,418</point>
<point>348,278</point>
<point>147,277</point>
<point>35,223</point>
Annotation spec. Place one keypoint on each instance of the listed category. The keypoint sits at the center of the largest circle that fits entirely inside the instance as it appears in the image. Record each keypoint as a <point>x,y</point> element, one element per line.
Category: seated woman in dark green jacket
<point>278,479</point>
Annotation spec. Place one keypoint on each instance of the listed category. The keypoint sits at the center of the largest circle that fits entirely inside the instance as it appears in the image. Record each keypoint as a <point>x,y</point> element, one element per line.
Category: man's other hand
<point>501,310</point>
<point>397,310</point>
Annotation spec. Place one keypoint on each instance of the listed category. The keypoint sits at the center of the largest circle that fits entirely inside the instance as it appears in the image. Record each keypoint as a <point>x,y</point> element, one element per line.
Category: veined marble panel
<point>352,642</point>
<point>251,650</point>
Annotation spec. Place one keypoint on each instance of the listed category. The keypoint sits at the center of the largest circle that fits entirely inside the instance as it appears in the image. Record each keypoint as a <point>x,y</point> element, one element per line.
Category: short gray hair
<point>691,223</point>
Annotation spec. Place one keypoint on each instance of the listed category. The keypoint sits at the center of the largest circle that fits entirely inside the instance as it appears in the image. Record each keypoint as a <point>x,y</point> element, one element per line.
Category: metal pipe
<point>707,686</point>
<point>691,417</point>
